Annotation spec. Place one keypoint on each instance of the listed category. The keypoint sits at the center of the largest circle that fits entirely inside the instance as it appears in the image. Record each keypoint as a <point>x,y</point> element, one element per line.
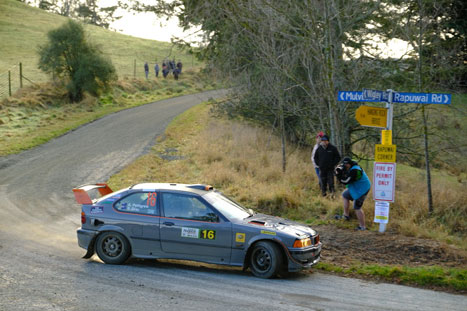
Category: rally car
<point>190,222</point>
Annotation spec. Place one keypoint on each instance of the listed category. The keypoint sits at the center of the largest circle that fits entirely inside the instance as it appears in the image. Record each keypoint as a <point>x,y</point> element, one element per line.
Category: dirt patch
<point>344,247</point>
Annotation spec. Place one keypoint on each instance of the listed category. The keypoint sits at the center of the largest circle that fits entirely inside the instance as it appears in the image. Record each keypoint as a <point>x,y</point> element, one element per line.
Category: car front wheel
<point>265,260</point>
<point>112,248</point>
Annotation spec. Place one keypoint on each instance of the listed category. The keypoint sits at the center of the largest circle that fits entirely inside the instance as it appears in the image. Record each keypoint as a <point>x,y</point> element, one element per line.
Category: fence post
<point>20,75</point>
<point>134,69</point>
<point>9,83</point>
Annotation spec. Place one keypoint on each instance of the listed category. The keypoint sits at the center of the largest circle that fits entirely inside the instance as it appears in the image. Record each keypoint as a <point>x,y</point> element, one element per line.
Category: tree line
<point>87,11</point>
<point>288,59</point>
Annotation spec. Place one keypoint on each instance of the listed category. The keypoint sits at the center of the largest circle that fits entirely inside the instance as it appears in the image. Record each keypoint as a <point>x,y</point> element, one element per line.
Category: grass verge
<point>435,277</point>
<point>36,114</point>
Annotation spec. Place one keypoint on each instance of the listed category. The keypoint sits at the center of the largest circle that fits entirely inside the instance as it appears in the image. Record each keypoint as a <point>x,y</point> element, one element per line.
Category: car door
<point>140,217</point>
<point>193,229</point>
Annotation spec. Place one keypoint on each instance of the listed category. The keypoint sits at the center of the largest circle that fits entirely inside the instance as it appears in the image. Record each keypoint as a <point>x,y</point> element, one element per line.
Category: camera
<point>340,172</point>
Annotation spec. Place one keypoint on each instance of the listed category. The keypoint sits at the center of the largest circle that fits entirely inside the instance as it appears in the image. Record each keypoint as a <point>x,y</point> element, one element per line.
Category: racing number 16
<point>152,199</point>
<point>208,234</point>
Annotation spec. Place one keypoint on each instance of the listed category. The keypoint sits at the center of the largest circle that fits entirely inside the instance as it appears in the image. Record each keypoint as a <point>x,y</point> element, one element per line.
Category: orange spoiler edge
<point>82,196</point>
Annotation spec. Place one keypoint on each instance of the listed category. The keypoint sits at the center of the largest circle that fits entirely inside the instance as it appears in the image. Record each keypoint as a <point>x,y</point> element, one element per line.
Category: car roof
<point>193,188</point>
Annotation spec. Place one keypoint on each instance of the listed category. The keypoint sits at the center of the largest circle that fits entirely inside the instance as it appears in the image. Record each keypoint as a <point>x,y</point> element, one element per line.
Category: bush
<point>68,56</point>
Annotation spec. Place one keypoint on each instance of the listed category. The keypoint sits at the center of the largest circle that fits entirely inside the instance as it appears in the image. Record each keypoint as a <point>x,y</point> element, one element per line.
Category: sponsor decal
<point>268,232</point>
<point>240,237</point>
<point>196,233</point>
<point>97,209</point>
<point>190,233</point>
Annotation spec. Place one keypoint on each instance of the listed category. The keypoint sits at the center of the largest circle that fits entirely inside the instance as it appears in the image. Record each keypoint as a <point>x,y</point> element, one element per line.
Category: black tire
<point>112,248</point>
<point>266,260</point>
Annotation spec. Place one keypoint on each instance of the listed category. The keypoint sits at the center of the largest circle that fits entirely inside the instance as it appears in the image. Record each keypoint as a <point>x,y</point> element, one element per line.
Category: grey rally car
<point>190,222</point>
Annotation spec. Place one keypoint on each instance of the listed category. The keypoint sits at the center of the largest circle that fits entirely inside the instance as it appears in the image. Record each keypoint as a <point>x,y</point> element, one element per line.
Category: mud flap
<point>90,251</point>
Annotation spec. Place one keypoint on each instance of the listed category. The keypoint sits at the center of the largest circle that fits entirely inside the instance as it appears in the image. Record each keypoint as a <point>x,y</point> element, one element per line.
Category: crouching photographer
<point>357,184</point>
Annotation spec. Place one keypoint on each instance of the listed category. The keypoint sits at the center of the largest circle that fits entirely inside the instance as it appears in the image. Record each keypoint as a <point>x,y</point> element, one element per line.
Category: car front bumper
<point>300,259</point>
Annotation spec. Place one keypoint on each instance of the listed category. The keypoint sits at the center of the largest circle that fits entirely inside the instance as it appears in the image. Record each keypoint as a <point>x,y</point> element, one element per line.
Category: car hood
<point>280,224</point>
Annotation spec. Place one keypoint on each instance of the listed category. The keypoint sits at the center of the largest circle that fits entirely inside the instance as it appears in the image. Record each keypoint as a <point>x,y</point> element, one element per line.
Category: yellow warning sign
<point>385,153</point>
<point>371,116</point>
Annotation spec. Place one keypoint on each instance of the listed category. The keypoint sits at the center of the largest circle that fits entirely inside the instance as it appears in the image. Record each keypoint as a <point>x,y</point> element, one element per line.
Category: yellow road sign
<point>385,153</point>
<point>386,137</point>
<point>371,116</point>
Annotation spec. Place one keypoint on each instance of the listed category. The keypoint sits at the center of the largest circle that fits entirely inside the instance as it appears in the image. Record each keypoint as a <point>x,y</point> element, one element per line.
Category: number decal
<point>152,199</point>
<point>208,234</point>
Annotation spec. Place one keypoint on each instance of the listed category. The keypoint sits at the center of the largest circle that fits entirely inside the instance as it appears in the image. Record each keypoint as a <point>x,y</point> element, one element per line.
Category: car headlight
<point>299,243</point>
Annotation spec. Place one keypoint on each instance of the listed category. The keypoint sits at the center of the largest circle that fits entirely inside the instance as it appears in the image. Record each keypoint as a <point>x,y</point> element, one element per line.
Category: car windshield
<point>226,206</point>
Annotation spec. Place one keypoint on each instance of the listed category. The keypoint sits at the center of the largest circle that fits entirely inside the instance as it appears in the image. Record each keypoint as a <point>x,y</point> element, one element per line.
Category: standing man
<point>318,140</point>
<point>358,185</point>
<point>156,69</point>
<point>146,69</point>
<point>326,157</point>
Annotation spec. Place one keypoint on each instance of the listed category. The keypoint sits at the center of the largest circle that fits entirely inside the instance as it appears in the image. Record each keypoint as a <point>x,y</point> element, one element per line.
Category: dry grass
<point>244,161</point>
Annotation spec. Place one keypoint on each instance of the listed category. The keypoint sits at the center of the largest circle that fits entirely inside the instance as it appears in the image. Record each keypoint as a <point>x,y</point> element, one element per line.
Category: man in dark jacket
<point>326,157</point>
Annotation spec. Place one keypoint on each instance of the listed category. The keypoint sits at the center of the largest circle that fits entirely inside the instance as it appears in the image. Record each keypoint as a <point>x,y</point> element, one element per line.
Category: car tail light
<point>299,243</point>
<point>83,218</point>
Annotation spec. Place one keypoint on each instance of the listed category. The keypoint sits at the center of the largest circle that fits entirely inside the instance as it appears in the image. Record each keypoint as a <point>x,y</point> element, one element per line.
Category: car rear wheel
<point>265,260</point>
<point>112,248</point>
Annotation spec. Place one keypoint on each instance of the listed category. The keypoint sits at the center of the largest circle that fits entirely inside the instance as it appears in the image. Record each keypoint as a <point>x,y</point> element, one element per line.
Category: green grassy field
<point>24,28</point>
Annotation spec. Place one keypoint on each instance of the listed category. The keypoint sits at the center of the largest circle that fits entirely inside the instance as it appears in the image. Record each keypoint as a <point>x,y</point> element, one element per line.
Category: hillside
<point>24,28</point>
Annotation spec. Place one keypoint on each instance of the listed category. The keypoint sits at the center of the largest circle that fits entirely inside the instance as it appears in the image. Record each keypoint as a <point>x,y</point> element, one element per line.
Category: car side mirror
<point>212,217</point>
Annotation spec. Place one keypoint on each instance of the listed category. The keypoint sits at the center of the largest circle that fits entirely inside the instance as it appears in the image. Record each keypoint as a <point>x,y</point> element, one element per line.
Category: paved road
<point>40,264</point>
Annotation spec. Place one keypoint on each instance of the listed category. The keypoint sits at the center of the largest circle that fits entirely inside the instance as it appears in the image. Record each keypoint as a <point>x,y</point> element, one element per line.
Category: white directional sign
<point>380,96</point>
<point>397,97</point>
<point>352,96</point>
<point>384,181</point>
<point>421,98</point>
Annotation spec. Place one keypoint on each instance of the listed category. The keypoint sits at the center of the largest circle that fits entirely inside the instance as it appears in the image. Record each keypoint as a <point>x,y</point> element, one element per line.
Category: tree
<point>68,56</point>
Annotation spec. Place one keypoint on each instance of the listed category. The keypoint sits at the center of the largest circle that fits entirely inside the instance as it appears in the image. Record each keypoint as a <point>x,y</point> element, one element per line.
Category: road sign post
<point>385,153</point>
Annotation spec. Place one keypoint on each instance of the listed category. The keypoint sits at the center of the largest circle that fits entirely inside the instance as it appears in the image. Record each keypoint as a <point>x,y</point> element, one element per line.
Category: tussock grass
<point>244,161</point>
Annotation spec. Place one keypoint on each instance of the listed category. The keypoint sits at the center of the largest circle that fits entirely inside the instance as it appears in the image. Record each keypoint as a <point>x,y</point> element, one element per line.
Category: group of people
<point>327,163</point>
<point>167,67</point>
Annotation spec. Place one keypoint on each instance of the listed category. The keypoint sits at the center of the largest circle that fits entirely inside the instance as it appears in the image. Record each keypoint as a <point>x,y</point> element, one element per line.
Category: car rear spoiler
<point>82,196</point>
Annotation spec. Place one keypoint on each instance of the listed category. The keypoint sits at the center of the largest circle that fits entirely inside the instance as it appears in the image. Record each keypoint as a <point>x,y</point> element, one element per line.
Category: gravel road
<point>41,266</point>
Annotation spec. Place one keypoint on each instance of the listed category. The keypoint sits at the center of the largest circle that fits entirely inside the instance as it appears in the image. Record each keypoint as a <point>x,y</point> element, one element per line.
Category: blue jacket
<point>360,186</point>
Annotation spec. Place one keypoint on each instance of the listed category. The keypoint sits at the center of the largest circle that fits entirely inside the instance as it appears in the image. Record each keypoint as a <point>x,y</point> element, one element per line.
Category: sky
<point>149,26</point>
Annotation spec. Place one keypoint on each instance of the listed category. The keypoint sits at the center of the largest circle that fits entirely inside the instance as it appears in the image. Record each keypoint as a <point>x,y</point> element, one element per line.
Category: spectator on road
<point>326,157</point>
<point>358,185</point>
<point>318,140</point>
<point>146,69</point>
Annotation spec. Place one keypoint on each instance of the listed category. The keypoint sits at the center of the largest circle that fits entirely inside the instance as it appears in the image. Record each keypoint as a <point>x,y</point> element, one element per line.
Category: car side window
<point>187,207</point>
<point>139,203</point>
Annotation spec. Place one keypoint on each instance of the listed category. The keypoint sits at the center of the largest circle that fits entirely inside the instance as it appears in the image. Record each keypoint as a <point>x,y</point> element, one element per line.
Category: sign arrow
<point>371,116</point>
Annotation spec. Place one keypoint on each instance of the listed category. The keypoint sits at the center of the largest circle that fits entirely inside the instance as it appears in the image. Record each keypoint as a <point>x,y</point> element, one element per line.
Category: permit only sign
<point>384,181</point>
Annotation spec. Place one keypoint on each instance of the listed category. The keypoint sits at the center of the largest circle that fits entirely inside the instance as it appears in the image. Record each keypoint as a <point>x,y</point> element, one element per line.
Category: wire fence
<point>12,80</point>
